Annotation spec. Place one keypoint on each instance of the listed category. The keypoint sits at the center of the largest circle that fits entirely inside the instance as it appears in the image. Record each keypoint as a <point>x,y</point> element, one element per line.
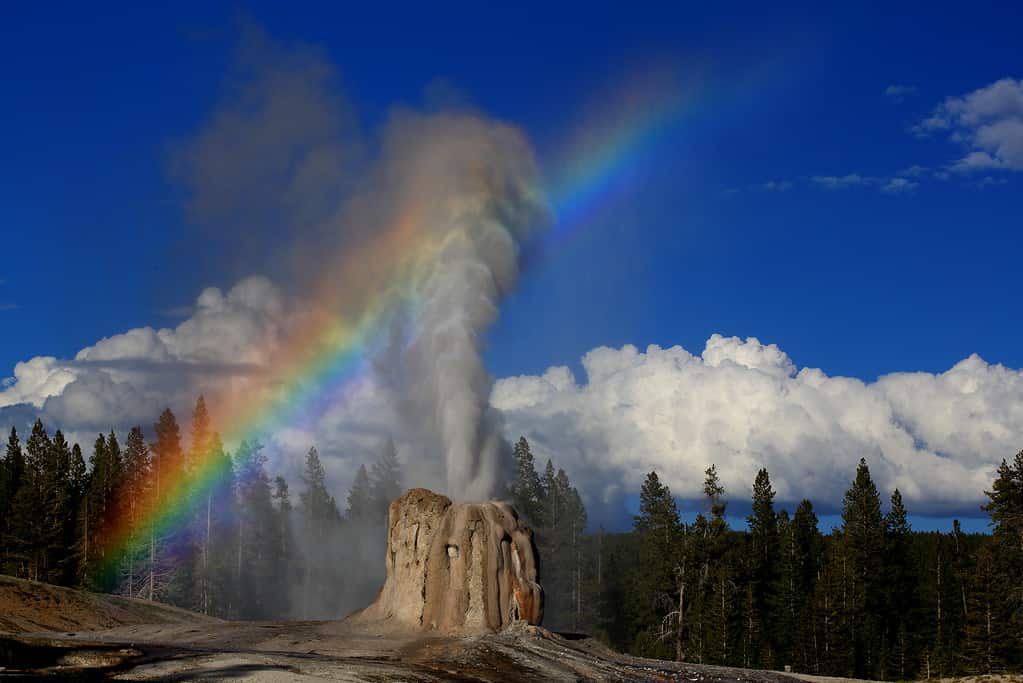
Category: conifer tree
<point>899,599</point>
<point>167,457</point>
<point>526,491</point>
<point>360,497</point>
<point>764,565</point>
<point>202,506</point>
<point>78,479</point>
<point>201,435</point>
<point>135,493</point>
<point>661,584</point>
<point>551,504</point>
<point>103,502</point>
<point>985,637</point>
<point>222,530</point>
<point>10,533</point>
<point>1005,505</point>
<point>257,534</point>
<point>28,516</point>
<point>4,497</point>
<point>832,595</point>
<point>169,579</point>
<point>802,548</point>
<point>316,502</point>
<point>59,510</point>
<point>385,481</point>
<point>320,519</point>
<point>708,536</point>
<point>11,468</point>
<point>284,556</point>
<point>573,515</point>
<point>863,541</point>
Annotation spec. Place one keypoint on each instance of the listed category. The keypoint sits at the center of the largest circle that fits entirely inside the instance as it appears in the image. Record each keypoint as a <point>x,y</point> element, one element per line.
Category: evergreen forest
<point>177,519</point>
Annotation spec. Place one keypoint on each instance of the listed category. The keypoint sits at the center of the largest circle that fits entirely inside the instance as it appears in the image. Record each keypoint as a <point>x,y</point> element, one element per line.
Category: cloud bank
<point>740,404</point>
<point>128,378</point>
<point>743,405</point>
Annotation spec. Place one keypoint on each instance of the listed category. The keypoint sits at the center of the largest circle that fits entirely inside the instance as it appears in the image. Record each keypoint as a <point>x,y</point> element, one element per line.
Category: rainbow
<point>606,150</point>
<point>324,353</point>
<point>364,286</point>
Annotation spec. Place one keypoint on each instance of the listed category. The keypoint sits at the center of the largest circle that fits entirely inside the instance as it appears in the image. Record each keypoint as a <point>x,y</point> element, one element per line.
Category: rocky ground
<point>53,633</point>
<point>298,651</point>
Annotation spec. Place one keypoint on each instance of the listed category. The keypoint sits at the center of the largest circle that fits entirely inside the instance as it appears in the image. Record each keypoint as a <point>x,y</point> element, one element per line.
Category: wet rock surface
<point>457,567</point>
<point>345,651</point>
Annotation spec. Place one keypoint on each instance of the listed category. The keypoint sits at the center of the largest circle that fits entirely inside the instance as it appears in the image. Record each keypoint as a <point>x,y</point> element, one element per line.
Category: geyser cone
<point>457,567</point>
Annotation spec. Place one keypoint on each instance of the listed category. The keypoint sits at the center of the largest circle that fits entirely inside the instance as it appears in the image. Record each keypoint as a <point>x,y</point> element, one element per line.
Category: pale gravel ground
<point>339,651</point>
<point>826,679</point>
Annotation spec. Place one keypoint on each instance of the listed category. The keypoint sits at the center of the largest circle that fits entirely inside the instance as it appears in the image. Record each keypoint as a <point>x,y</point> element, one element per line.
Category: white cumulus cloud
<point>739,404</point>
<point>36,380</point>
<point>129,378</point>
<point>743,405</point>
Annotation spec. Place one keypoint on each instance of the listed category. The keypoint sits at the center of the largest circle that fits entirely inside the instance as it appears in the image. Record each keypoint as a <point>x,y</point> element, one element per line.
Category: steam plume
<point>406,265</point>
<point>472,183</point>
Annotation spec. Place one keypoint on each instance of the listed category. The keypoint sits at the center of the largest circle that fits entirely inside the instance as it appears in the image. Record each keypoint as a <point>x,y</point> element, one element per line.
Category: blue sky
<point>855,281</point>
<point>696,239</point>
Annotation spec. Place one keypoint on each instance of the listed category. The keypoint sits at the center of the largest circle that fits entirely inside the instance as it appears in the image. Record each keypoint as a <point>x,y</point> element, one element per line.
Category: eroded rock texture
<point>457,567</point>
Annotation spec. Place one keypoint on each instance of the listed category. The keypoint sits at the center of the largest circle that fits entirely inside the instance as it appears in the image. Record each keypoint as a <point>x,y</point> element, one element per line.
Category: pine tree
<point>764,564</point>
<point>320,520</point>
<point>360,497</point>
<point>202,517</point>
<point>135,492</point>
<point>59,523</point>
<point>803,549</point>
<point>78,477</point>
<point>103,501</point>
<point>12,518</point>
<point>899,600</point>
<point>223,529</point>
<point>526,492</point>
<point>4,499</point>
<point>616,617</point>
<point>662,581</point>
<point>942,628</point>
<point>832,649</point>
<point>573,515</point>
<point>385,481</point>
<point>551,500</point>
<point>708,542</point>
<point>201,435</point>
<point>258,539</point>
<point>559,544</point>
<point>985,638</point>
<point>28,514</point>
<point>284,564</point>
<point>167,457</point>
<point>863,541</point>
<point>316,502</point>
<point>1005,505</point>
<point>169,579</point>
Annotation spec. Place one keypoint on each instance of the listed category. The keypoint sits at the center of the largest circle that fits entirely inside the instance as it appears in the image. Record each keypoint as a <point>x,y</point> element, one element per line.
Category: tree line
<point>198,527</point>
<point>870,599</point>
<point>195,527</point>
